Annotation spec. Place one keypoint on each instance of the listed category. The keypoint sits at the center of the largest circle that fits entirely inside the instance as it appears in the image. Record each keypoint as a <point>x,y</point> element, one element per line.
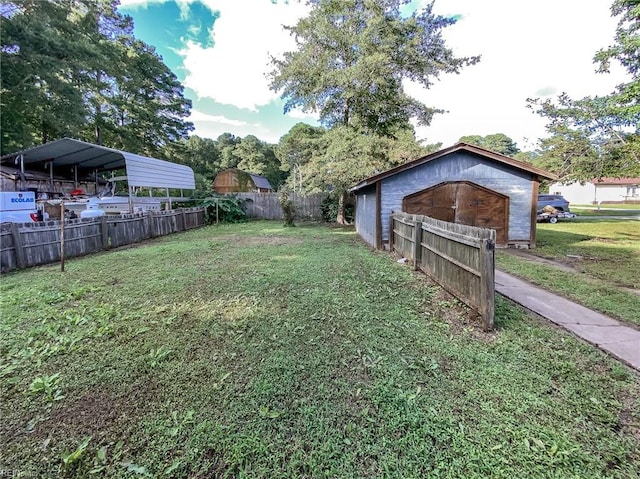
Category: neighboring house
<point>462,184</point>
<point>234,180</point>
<point>602,190</point>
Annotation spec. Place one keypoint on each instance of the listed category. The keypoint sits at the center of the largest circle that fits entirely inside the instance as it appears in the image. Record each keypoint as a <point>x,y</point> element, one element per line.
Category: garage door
<point>465,203</point>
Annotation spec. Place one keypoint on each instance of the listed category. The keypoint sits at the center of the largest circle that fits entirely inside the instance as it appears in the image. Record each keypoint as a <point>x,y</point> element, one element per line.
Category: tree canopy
<point>352,57</point>
<point>498,142</point>
<point>599,136</point>
<point>351,61</point>
<point>74,68</point>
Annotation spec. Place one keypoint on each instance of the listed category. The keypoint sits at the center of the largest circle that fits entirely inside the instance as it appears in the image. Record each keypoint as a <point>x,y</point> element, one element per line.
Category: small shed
<point>234,180</point>
<point>462,184</point>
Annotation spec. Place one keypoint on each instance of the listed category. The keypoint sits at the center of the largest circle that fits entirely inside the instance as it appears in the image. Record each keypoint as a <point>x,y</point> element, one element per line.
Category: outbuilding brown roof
<point>498,157</point>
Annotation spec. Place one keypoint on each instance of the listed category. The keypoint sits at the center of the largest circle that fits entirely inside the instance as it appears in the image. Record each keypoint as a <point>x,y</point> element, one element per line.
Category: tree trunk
<point>340,217</point>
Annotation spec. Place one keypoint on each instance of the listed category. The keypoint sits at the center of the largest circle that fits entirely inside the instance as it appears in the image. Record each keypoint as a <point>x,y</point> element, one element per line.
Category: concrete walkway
<point>613,337</point>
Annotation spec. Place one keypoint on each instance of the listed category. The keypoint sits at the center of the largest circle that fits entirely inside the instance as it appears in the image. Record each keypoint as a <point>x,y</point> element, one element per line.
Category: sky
<point>220,50</point>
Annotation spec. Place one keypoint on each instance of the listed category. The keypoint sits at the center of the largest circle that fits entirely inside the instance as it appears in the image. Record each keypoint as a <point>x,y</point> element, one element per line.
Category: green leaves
<point>599,136</point>
<point>71,458</point>
<point>352,57</point>
<point>47,386</point>
<point>74,68</point>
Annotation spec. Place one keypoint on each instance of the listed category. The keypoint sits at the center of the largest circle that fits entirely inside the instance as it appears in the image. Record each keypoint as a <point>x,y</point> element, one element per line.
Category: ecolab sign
<point>22,199</point>
<point>17,200</point>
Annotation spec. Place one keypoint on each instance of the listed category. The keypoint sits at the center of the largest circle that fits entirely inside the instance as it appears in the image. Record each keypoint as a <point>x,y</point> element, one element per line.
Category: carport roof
<point>141,170</point>
<point>492,155</point>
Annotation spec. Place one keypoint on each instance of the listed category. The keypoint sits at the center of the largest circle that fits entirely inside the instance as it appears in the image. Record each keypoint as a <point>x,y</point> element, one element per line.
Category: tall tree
<point>352,57</point>
<point>296,149</point>
<point>498,142</point>
<point>351,61</point>
<point>257,156</point>
<point>74,68</point>
<point>610,124</point>
<point>40,71</point>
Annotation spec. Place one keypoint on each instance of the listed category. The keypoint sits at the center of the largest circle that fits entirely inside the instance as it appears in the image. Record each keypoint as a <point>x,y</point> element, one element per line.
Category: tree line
<point>74,68</point>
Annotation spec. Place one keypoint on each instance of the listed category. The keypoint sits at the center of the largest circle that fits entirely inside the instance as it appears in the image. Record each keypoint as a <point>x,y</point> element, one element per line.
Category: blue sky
<point>220,51</point>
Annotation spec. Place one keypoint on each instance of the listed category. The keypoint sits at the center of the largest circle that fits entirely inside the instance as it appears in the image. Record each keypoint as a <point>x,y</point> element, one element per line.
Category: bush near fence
<point>23,245</point>
<point>267,205</point>
<point>459,257</point>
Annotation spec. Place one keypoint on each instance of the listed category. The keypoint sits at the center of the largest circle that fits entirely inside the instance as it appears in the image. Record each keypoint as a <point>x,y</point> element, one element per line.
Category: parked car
<point>557,201</point>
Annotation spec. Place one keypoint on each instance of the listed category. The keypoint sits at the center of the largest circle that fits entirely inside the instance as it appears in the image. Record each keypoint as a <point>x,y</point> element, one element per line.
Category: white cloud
<point>233,71</point>
<point>201,117</point>
<point>529,49</point>
<point>301,115</point>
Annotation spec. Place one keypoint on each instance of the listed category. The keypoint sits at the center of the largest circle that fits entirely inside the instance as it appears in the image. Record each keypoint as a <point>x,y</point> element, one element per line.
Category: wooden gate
<point>465,203</point>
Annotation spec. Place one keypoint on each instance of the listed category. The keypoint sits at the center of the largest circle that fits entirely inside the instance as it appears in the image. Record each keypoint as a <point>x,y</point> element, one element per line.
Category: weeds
<point>253,350</point>
<point>47,386</point>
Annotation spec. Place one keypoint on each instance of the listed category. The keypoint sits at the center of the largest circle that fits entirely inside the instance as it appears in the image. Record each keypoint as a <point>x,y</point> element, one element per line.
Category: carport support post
<point>487,282</point>
<point>417,247</point>
<point>62,236</point>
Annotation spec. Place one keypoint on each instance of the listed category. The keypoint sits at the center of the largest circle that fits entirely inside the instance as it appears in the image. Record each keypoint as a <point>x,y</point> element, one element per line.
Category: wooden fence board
<point>459,257</point>
<point>39,243</point>
<point>267,205</point>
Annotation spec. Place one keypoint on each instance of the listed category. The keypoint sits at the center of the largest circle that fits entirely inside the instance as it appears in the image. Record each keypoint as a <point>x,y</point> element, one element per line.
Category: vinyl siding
<point>457,166</point>
<point>366,214</point>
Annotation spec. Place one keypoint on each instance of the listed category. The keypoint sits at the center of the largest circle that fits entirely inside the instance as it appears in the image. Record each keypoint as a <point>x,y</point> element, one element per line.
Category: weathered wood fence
<point>267,205</point>
<point>459,257</point>
<point>29,244</point>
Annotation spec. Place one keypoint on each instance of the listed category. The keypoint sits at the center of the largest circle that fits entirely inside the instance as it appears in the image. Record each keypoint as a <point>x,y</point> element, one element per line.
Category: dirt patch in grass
<point>629,418</point>
<point>93,414</point>
<point>264,240</point>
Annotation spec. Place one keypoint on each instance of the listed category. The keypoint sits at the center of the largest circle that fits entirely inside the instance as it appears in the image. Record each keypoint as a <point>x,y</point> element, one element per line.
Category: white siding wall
<point>589,193</point>
<point>575,192</point>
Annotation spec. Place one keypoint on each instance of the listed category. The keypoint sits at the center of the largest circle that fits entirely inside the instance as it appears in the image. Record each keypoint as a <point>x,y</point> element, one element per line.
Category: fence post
<point>487,283</point>
<point>104,229</point>
<point>17,245</point>
<point>417,248</point>
<point>391,233</point>
<point>152,224</point>
<point>184,220</point>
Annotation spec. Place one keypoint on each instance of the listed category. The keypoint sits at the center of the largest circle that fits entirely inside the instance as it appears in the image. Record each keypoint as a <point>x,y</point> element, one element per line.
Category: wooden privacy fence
<point>459,257</point>
<point>267,205</point>
<point>29,244</point>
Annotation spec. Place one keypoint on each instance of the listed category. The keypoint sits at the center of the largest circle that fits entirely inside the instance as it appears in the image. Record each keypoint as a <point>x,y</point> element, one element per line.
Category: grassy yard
<point>266,352</point>
<point>606,254</point>
<point>606,210</point>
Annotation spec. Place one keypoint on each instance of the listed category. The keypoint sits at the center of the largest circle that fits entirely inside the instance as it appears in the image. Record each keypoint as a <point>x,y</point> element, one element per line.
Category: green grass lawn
<point>260,351</point>
<point>609,207</point>
<point>608,210</point>
<point>605,252</point>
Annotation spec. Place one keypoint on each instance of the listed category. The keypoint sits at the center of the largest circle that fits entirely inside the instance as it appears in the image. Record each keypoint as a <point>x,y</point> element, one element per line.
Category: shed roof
<point>260,181</point>
<point>492,155</point>
<point>141,170</point>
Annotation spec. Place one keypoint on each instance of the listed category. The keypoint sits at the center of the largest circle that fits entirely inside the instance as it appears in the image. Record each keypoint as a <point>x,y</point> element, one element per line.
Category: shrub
<point>288,207</point>
<point>230,209</point>
<point>329,208</point>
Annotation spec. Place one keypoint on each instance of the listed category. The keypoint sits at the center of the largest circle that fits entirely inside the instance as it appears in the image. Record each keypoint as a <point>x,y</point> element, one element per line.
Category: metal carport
<point>79,155</point>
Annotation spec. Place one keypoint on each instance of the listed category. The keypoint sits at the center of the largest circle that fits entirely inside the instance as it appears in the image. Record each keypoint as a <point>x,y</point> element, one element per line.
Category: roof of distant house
<point>260,181</point>
<point>616,181</point>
